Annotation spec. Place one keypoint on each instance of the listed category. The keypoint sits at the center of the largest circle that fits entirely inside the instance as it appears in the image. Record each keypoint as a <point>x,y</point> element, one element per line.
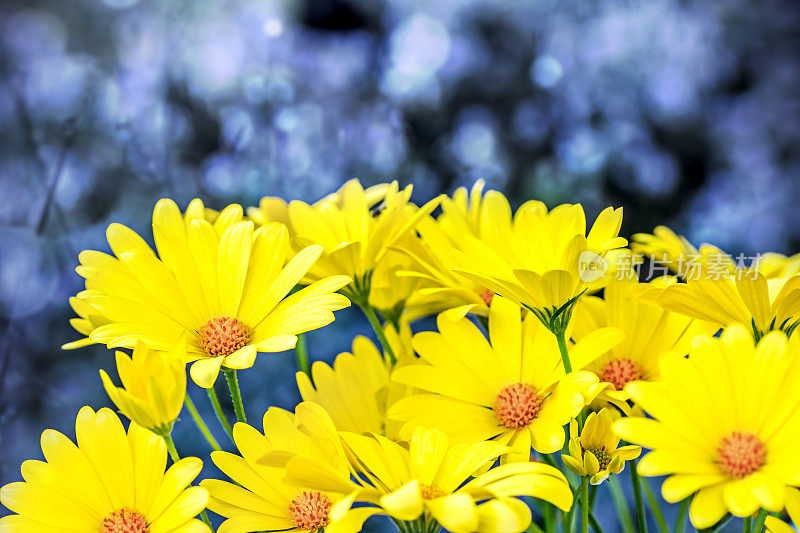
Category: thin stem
<point>301,352</point>
<point>585,504</point>
<point>369,311</point>
<point>223,420</point>
<point>758,525</point>
<point>236,395</point>
<point>200,423</point>
<point>173,453</point>
<point>680,521</point>
<point>533,528</point>
<point>748,525</point>
<point>718,526</point>
<point>621,504</point>
<point>641,518</point>
<point>592,496</point>
<point>595,524</point>
<point>549,517</point>
<point>561,337</point>
<point>655,508</point>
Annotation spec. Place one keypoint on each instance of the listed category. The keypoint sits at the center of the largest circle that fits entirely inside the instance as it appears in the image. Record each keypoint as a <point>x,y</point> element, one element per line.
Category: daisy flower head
<point>724,425</point>
<point>258,499</point>
<point>544,260</point>
<point>510,388</point>
<point>225,286</point>
<point>433,481</point>
<point>355,230</point>
<point>745,297</point>
<point>153,386</point>
<point>649,331</point>
<point>110,481</point>
<point>595,451</point>
<point>356,392</point>
<point>685,260</point>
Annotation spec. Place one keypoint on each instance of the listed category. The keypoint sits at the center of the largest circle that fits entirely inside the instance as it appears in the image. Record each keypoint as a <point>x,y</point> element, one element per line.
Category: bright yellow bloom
<point>746,297</point>
<point>357,391</point>
<point>153,386</point>
<point>224,286</point>
<point>595,451</point>
<point>110,482</point>
<point>681,257</point>
<point>431,479</point>
<point>541,259</point>
<point>511,388</point>
<point>649,332</point>
<point>260,500</point>
<point>776,525</point>
<point>726,424</point>
<point>355,232</point>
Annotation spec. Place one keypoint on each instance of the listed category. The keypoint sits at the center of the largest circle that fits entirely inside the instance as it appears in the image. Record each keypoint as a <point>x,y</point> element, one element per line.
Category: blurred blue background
<point>684,112</point>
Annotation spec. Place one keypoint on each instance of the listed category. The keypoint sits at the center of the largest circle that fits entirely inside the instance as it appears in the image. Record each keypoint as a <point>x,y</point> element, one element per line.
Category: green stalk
<point>173,453</point>
<point>641,518</point>
<point>748,525</point>
<point>718,526</point>
<point>200,423</point>
<point>655,508</point>
<point>566,518</point>
<point>758,525</point>
<point>301,352</point>
<point>369,312</point>
<point>621,504</point>
<point>561,337</point>
<point>595,524</point>
<point>585,504</point>
<point>223,420</point>
<point>680,521</point>
<point>236,395</point>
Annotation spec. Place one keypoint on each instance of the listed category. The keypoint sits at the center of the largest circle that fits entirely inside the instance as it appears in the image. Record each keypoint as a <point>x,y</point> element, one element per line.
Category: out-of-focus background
<point>686,113</point>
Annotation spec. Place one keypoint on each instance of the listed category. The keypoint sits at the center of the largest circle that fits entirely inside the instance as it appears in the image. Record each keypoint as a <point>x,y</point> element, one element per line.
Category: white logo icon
<point>591,267</point>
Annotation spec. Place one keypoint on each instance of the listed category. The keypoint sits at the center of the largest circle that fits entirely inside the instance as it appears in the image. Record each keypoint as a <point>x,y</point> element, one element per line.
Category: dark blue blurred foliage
<point>684,112</point>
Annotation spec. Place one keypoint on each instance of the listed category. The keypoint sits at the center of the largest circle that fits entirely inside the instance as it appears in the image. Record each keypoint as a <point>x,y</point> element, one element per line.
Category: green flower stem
<point>549,517</point>
<point>592,496</point>
<point>301,352</point>
<point>566,518</point>
<point>680,521</point>
<point>595,524</point>
<point>758,525</point>
<point>718,527</point>
<point>641,518</point>
<point>173,453</point>
<point>748,525</point>
<point>585,504</point>
<point>561,337</point>
<point>223,420</point>
<point>621,504</point>
<point>533,528</point>
<point>652,502</point>
<point>200,423</point>
<point>236,395</point>
<point>369,312</point>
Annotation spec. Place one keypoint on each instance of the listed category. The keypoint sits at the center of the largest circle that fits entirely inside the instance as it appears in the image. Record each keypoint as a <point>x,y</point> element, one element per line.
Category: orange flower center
<point>429,492</point>
<point>311,510</point>
<point>222,336</point>
<point>124,521</point>
<point>487,296</point>
<point>517,405</point>
<point>620,372</point>
<point>741,454</point>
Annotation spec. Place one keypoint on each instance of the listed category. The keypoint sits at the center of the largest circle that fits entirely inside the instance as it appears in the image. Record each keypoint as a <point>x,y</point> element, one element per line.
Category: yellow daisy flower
<point>431,481</point>
<point>355,232</point>
<point>679,255</point>
<point>543,260</point>
<point>474,215</point>
<point>726,424</point>
<point>511,388</point>
<point>776,525</point>
<point>746,298</point>
<point>594,452</point>
<point>649,332</point>
<point>153,386</point>
<point>357,391</point>
<point>260,500</point>
<point>110,482</point>
<point>224,286</point>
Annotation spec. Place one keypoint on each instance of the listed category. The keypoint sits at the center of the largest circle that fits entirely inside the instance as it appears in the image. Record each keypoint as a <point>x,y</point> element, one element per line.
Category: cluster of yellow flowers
<point>540,326</point>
